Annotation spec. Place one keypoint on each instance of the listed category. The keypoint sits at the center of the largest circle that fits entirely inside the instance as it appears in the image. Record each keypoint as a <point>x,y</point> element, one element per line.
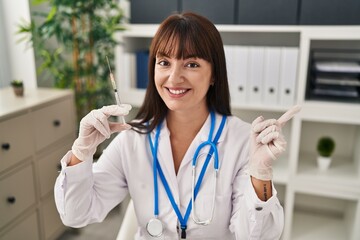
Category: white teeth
<point>176,92</point>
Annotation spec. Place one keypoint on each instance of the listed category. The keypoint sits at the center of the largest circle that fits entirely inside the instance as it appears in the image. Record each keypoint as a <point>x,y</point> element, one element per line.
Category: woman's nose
<point>176,74</point>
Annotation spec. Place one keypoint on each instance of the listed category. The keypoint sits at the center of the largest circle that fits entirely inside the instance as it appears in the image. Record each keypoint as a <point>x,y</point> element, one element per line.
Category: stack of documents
<point>335,75</point>
<point>338,66</point>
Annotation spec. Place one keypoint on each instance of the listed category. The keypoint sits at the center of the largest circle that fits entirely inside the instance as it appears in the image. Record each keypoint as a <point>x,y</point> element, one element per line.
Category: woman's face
<point>182,83</point>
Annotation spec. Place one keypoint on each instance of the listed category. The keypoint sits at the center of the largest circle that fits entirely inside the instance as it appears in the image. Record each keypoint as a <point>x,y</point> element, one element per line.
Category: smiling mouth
<point>177,92</point>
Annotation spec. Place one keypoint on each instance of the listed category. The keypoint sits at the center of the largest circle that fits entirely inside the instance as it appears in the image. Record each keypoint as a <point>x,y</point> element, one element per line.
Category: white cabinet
<point>318,205</point>
<point>35,132</point>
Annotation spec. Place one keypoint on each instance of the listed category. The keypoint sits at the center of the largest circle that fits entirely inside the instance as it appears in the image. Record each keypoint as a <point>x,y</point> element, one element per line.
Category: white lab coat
<point>86,192</point>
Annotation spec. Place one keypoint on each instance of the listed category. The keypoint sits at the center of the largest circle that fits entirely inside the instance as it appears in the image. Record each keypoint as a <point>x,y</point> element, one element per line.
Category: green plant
<point>17,83</point>
<point>325,146</point>
<point>84,34</point>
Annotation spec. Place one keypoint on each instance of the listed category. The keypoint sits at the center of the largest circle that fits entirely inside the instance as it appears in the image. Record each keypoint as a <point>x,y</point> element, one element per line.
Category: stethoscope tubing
<point>195,187</point>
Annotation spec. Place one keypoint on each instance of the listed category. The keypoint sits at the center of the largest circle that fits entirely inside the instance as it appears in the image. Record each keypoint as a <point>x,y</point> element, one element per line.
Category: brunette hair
<point>184,35</point>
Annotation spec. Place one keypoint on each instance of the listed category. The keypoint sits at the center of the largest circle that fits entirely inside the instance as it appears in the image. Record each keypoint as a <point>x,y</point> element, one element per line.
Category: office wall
<point>20,56</point>
<point>4,74</point>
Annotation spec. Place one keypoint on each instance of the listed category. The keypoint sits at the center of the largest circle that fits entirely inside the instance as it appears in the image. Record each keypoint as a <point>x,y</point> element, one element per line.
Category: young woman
<point>192,169</point>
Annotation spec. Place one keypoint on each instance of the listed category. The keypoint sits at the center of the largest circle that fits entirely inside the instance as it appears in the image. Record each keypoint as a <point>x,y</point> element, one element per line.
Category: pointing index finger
<point>288,115</point>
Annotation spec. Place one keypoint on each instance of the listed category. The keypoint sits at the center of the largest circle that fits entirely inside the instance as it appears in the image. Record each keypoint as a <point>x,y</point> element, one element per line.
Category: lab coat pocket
<point>219,213</point>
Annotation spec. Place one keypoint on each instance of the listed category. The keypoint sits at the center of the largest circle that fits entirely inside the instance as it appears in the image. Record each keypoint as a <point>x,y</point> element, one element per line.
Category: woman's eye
<point>193,65</point>
<point>163,63</point>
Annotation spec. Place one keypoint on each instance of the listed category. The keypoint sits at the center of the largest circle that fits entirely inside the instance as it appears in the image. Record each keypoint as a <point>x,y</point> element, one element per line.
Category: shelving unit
<point>318,205</point>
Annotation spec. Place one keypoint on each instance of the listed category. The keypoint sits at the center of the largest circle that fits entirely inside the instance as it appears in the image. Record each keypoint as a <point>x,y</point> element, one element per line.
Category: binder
<point>241,74</point>
<point>256,72</point>
<point>288,75</point>
<point>230,67</point>
<point>142,75</point>
<point>272,75</point>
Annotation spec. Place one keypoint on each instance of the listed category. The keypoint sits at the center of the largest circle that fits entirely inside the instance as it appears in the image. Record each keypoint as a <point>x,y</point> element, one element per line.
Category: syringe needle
<point>116,93</point>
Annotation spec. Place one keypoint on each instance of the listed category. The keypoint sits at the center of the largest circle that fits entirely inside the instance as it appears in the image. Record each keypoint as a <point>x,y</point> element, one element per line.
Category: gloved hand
<point>95,128</point>
<point>267,143</point>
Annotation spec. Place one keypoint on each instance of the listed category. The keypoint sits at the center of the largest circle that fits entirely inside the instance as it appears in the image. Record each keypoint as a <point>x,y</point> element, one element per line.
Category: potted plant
<point>18,87</point>
<point>71,42</point>
<point>325,148</point>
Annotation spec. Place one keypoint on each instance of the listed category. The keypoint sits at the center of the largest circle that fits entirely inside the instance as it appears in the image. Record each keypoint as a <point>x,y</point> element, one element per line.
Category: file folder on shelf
<point>237,69</point>
<point>272,75</point>
<point>256,74</point>
<point>241,72</point>
<point>142,75</point>
<point>288,75</point>
<point>230,67</point>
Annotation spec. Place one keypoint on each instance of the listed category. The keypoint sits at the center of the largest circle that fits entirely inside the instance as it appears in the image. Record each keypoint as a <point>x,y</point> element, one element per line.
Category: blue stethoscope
<point>155,227</point>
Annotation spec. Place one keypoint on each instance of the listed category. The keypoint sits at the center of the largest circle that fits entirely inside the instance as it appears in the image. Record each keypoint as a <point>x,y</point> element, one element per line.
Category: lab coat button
<point>258,208</point>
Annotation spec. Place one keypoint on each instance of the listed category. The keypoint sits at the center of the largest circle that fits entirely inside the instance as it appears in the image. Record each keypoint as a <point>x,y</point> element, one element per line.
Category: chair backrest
<point>129,224</point>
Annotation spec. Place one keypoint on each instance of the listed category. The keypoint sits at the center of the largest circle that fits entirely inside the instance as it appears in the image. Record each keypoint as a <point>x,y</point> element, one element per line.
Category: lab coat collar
<point>201,137</point>
<point>204,131</point>
<point>166,160</point>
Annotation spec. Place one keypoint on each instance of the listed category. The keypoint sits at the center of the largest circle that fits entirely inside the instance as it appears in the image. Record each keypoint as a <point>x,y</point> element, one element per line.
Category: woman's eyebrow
<point>161,54</point>
<point>190,56</point>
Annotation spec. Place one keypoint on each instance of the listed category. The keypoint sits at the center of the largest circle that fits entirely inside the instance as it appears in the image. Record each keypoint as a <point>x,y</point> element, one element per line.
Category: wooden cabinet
<point>318,205</point>
<point>35,132</point>
<point>11,143</point>
<point>26,229</point>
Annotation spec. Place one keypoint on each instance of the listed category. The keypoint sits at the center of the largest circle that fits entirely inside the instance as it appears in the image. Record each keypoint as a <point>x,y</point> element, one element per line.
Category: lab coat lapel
<point>201,137</point>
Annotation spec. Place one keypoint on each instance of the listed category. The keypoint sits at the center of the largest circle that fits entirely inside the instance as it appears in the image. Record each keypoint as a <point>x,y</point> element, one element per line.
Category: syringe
<point>117,97</point>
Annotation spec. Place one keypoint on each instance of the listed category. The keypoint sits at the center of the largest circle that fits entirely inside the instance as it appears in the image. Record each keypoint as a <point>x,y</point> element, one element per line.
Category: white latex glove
<point>267,144</point>
<point>95,128</point>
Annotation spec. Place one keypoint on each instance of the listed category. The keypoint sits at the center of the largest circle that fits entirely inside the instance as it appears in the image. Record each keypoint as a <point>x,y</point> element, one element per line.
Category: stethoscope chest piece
<point>154,227</point>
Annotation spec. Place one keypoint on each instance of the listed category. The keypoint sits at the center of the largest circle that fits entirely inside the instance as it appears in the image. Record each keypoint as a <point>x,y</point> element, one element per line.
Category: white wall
<point>4,69</point>
<point>20,56</point>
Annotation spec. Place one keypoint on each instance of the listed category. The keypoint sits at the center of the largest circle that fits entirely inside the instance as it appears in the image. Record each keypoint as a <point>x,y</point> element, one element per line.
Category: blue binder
<point>142,73</point>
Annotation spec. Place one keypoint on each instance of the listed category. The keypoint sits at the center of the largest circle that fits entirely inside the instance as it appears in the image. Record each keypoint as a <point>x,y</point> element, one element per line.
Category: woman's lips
<point>176,92</point>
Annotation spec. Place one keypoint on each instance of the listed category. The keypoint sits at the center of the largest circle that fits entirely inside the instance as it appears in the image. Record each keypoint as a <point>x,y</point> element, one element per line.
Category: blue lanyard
<point>157,168</point>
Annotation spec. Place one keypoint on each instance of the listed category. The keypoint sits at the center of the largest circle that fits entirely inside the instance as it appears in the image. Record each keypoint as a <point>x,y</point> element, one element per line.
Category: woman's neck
<point>183,128</point>
<point>187,124</point>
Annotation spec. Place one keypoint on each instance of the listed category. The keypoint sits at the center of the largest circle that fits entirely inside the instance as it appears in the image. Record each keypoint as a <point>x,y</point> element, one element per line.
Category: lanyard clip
<point>183,232</point>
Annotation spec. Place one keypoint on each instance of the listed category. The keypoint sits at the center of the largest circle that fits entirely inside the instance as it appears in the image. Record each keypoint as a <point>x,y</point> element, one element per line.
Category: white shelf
<point>341,171</point>
<point>260,107</point>
<point>148,30</point>
<point>340,180</point>
<point>310,226</point>
<point>331,112</point>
